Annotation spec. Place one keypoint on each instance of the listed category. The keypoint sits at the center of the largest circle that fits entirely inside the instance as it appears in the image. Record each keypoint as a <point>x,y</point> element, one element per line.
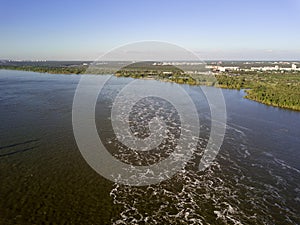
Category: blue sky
<point>214,29</point>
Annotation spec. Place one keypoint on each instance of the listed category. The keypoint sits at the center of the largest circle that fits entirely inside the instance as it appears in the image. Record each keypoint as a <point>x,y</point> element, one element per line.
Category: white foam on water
<point>227,192</point>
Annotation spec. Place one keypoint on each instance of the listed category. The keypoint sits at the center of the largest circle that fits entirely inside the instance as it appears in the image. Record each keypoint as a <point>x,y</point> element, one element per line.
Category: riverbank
<point>273,89</point>
<point>48,69</point>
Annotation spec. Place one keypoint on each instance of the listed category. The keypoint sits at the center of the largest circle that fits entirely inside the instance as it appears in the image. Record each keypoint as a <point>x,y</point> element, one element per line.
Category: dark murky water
<point>254,180</point>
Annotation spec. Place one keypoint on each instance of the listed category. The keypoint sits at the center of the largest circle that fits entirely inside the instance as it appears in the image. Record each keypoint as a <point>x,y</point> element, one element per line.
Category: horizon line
<point>87,60</point>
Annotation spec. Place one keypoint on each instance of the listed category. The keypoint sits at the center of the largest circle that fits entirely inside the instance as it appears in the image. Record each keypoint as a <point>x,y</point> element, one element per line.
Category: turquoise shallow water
<point>254,180</point>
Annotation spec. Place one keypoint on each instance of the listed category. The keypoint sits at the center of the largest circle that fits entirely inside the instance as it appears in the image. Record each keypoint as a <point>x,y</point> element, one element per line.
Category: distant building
<point>223,68</point>
<point>276,68</point>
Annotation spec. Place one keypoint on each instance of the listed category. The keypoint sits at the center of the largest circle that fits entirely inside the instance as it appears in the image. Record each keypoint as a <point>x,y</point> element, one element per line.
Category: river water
<point>255,178</point>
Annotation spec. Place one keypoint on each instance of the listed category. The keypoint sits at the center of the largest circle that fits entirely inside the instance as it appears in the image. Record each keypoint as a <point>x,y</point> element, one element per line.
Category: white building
<point>223,68</point>
<point>276,68</point>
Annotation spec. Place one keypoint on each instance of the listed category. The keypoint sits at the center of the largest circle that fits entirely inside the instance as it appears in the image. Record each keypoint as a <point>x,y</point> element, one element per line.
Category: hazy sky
<point>215,29</point>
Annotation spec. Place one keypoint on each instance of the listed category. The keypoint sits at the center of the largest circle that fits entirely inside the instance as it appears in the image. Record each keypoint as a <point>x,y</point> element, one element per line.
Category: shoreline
<point>247,96</point>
